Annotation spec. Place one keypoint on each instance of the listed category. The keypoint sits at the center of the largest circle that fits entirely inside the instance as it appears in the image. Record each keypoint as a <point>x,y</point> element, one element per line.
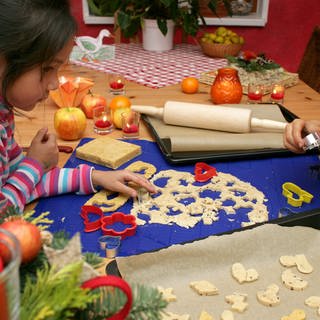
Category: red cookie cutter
<point>90,226</point>
<point>203,172</point>
<point>108,221</point>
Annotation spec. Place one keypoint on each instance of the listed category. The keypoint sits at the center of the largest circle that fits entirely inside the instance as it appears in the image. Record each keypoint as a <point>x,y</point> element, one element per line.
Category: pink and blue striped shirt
<point>23,179</point>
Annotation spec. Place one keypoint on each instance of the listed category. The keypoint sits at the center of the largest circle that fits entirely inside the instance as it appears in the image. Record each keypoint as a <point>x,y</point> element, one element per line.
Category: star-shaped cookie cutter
<point>295,195</point>
<point>203,172</point>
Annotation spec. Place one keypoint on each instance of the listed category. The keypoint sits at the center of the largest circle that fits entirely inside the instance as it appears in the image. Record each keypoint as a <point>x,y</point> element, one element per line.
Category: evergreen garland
<point>55,295</point>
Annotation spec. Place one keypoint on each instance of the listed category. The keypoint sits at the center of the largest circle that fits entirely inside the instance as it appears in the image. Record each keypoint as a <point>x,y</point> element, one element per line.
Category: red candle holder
<point>116,84</point>
<point>277,93</point>
<point>255,93</point>
<point>102,122</point>
<point>130,124</point>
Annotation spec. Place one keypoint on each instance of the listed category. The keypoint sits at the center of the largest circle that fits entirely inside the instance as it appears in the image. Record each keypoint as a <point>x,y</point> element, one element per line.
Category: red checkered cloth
<point>156,69</point>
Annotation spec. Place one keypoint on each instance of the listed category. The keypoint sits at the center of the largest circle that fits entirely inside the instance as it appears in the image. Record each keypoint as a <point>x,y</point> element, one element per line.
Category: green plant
<point>130,13</point>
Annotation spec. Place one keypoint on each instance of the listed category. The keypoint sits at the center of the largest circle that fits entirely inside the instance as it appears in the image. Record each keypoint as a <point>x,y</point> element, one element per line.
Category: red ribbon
<point>113,281</point>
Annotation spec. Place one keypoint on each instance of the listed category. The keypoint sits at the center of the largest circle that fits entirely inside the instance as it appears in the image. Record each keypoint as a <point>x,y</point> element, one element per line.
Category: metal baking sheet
<point>191,157</point>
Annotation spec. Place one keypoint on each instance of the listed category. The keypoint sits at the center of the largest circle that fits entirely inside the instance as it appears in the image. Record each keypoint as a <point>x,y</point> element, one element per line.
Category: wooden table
<point>300,99</point>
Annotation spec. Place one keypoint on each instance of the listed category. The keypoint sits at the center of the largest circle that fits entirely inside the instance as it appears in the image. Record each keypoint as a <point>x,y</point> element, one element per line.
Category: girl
<point>36,37</point>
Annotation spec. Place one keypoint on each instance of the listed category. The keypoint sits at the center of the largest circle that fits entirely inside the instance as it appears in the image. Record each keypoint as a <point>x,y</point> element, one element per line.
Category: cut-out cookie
<point>204,288</point>
<point>109,201</point>
<point>297,314</point>
<point>298,260</point>
<point>205,316</point>
<point>173,316</point>
<point>242,275</point>
<point>269,297</point>
<point>292,281</point>
<point>167,294</point>
<point>313,302</point>
<point>106,202</point>
<point>237,301</point>
<point>144,168</point>
<point>227,315</point>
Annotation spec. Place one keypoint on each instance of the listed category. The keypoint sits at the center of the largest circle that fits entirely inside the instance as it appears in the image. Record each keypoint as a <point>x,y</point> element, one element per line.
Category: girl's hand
<point>296,131</point>
<point>118,181</point>
<point>44,149</point>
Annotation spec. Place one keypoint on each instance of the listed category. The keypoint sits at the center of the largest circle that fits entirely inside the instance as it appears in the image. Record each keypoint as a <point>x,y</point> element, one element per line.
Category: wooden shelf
<point>258,18</point>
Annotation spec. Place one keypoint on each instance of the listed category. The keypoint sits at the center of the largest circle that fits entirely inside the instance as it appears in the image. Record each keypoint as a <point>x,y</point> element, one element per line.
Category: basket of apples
<point>221,43</point>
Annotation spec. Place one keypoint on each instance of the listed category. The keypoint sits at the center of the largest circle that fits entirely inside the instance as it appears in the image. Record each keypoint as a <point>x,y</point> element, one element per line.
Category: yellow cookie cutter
<point>295,194</point>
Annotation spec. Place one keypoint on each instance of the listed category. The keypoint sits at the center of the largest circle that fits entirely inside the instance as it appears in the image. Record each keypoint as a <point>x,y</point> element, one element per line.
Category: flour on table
<point>181,201</point>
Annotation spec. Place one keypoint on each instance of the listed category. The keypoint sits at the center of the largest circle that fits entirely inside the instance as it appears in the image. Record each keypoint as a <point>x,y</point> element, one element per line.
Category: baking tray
<point>191,157</point>
<point>310,218</point>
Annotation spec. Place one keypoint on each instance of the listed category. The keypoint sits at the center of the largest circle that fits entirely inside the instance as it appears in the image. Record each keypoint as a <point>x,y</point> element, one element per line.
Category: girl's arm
<point>65,180</point>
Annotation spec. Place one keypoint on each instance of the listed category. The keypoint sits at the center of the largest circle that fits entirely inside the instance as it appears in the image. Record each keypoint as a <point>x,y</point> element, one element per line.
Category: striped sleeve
<point>65,180</point>
<point>21,183</point>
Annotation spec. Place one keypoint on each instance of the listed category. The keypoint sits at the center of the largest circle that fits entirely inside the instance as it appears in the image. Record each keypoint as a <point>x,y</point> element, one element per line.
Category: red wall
<point>283,39</point>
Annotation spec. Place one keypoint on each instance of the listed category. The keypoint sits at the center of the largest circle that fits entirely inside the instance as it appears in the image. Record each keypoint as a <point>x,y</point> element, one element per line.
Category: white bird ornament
<point>90,45</point>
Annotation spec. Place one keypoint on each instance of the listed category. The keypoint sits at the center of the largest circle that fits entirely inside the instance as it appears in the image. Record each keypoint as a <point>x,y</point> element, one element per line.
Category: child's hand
<point>296,131</point>
<point>44,149</point>
<point>118,181</point>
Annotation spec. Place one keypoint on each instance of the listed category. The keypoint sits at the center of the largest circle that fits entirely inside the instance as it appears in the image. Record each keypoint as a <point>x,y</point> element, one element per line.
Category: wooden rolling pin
<point>212,117</point>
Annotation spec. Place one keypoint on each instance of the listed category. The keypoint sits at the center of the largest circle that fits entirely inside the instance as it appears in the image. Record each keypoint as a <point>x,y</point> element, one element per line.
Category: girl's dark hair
<point>32,32</point>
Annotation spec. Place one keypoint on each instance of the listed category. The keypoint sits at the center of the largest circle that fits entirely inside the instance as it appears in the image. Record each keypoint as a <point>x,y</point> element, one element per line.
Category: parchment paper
<point>211,259</point>
<point>193,139</point>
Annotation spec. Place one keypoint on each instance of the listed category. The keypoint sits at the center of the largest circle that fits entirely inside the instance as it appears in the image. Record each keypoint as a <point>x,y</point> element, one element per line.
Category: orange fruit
<point>119,102</point>
<point>119,105</point>
<point>190,85</point>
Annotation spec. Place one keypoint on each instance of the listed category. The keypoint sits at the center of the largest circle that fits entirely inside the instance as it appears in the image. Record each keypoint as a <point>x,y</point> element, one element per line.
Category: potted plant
<point>131,15</point>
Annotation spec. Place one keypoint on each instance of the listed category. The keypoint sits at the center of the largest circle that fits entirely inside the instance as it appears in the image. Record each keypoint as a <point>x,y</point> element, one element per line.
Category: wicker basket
<point>218,50</point>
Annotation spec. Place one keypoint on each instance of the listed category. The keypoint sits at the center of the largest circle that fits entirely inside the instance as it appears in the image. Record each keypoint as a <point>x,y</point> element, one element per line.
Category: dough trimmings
<point>237,301</point>
<point>292,281</point>
<point>204,288</point>
<point>171,204</point>
<point>269,297</point>
<point>242,275</point>
<point>313,302</point>
<point>297,314</point>
<point>108,152</point>
<point>298,260</point>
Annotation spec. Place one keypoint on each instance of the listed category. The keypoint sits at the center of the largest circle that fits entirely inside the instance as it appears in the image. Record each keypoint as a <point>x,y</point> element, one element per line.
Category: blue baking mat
<point>267,175</point>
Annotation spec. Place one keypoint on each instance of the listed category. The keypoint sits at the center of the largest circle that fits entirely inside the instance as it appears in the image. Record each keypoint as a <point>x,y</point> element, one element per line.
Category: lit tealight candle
<point>131,128</point>
<point>117,85</point>
<point>277,93</point>
<point>103,123</point>
<point>255,93</point>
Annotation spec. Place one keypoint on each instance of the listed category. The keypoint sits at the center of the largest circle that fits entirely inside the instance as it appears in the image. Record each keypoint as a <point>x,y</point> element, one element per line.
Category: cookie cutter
<point>203,172</point>
<point>90,226</point>
<point>295,195</point>
<point>110,244</point>
<point>108,221</point>
<point>311,141</point>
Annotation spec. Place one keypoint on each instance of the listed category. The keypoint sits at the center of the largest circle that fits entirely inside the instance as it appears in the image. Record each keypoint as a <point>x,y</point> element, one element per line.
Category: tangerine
<point>190,85</point>
<point>119,105</point>
<point>120,102</point>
